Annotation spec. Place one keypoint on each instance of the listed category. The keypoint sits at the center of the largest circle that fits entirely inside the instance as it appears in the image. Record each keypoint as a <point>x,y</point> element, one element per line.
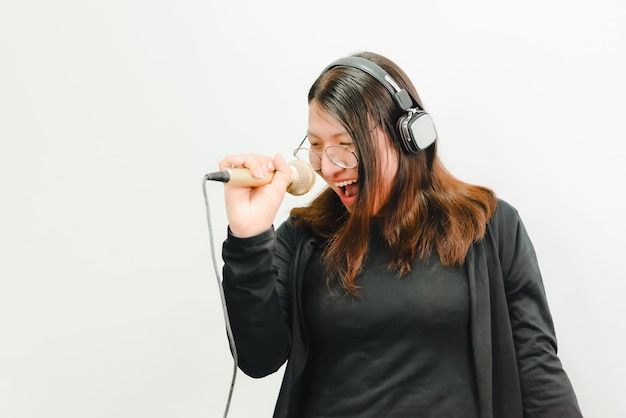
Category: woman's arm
<point>260,327</point>
<point>260,330</point>
<point>546,389</point>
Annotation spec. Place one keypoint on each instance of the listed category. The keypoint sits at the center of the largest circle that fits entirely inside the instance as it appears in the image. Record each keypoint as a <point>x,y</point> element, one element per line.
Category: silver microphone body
<point>301,181</point>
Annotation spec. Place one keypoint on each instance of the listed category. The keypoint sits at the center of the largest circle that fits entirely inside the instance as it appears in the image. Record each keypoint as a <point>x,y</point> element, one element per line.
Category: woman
<point>400,291</point>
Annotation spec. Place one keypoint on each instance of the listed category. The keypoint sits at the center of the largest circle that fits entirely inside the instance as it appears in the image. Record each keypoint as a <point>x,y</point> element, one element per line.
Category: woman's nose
<point>328,168</point>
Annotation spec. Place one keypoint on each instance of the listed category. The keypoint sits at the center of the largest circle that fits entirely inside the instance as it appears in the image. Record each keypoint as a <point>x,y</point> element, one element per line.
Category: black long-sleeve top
<point>518,373</point>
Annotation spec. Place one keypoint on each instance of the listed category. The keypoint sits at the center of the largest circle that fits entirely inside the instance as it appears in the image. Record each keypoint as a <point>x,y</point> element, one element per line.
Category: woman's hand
<point>251,211</point>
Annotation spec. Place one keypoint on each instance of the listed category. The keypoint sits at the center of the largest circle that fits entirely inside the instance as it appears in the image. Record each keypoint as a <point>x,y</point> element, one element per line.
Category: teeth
<point>345,183</point>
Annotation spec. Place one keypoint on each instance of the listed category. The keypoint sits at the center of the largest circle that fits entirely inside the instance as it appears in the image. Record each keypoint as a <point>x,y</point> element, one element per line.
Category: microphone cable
<point>229,332</point>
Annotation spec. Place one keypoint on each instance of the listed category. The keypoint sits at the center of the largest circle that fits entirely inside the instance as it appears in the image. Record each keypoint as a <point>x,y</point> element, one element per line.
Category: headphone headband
<point>402,97</point>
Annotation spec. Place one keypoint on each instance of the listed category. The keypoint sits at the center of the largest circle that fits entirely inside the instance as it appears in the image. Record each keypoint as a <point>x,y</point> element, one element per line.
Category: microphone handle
<point>241,177</point>
<point>301,180</point>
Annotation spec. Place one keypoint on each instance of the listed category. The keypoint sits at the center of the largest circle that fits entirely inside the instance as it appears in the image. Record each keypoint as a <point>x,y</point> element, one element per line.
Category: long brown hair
<point>427,209</point>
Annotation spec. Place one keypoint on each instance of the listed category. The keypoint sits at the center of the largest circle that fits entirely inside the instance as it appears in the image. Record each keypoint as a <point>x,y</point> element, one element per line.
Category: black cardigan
<point>518,372</point>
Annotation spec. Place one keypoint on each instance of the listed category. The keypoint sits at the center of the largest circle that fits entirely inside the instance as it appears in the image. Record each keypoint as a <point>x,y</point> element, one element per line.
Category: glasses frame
<point>321,153</point>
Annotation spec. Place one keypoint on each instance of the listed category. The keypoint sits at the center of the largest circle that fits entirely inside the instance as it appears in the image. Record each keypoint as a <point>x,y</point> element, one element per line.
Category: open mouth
<point>348,188</point>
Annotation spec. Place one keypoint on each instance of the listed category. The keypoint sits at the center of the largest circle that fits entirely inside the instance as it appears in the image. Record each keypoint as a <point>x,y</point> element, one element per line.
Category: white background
<point>111,112</point>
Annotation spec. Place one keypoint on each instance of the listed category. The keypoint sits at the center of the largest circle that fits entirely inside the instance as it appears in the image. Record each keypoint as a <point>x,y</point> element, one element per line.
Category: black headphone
<point>416,127</point>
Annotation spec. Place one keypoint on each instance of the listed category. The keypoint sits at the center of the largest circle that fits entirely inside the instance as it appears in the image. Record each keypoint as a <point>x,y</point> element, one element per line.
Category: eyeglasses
<point>340,155</point>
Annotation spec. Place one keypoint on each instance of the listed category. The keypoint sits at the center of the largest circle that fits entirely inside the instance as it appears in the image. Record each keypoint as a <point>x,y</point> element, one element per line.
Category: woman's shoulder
<point>507,229</point>
<point>288,226</point>
<point>505,213</point>
<point>505,223</point>
<point>290,230</point>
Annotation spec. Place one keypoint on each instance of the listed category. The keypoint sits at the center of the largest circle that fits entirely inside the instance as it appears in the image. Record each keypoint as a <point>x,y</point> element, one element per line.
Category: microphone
<point>301,180</point>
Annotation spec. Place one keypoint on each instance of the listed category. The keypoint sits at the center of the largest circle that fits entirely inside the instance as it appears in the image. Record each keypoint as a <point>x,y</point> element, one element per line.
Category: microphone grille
<point>302,179</point>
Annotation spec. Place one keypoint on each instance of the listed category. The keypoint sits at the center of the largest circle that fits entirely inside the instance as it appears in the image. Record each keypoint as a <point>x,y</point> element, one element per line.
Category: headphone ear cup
<point>417,131</point>
<point>405,135</point>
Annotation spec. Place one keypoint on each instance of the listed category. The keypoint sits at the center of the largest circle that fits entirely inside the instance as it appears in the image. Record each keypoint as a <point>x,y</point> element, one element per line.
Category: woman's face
<point>325,131</point>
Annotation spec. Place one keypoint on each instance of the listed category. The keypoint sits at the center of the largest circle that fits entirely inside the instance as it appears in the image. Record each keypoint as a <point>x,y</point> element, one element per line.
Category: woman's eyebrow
<point>311,134</point>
